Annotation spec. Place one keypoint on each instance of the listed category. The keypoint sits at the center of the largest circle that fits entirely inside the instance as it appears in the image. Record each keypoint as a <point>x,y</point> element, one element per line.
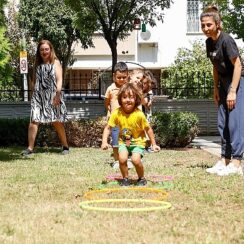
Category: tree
<point>191,72</point>
<point>2,17</point>
<point>232,16</point>
<point>52,20</point>
<point>114,18</point>
<point>5,47</point>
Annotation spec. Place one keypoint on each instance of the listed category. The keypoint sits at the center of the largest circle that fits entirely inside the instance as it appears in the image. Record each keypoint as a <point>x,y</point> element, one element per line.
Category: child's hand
<point>104,146</point>
<point>156,148</point>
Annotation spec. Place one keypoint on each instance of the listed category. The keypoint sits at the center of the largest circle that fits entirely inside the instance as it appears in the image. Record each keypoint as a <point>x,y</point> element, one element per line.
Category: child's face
<point>128,101</point>
<point>146,84</point>
<point>120,78</point>
<point>136,77</point>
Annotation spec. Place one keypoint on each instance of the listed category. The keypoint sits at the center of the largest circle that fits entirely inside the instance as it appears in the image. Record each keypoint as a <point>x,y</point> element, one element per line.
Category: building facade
<point>153,49</point>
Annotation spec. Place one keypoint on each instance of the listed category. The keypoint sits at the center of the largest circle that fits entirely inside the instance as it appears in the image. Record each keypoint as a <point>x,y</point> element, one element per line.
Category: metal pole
<point>25,83</point>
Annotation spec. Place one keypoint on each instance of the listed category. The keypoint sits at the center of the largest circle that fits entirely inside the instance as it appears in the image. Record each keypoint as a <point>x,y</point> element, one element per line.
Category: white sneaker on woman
<point>219,166</point>
<point>231,169</point>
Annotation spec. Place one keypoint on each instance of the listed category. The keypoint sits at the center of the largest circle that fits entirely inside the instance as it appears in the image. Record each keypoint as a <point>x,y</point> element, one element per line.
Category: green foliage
<point>171,130</point>
<point>2,17</point>
<point>176,129</point>
<point>80,133</point>
<point>191,69</point>
<point>15,35</point>
<point>52,20</point>
<point>114,19</point>
<point>232,16</point>
<point>5,47</point>
<point>14,132</point>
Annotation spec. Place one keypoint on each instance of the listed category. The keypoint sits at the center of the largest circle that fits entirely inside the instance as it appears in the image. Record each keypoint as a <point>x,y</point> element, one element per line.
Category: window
<point>194,9</point>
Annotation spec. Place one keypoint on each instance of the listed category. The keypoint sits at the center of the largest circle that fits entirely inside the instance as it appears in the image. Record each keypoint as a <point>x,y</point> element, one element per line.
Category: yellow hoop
<point>163,205</point>
<point>162,193</point>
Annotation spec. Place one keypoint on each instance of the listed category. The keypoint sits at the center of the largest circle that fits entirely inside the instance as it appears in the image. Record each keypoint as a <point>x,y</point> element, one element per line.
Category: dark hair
<point>150,76</point>
<point>130,87</point>
<point>212,11</point>
<point>39,60</point>
<point>121,67</point>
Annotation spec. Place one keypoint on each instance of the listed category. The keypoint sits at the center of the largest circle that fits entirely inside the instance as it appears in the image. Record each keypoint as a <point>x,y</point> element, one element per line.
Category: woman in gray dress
<point>47,105</point>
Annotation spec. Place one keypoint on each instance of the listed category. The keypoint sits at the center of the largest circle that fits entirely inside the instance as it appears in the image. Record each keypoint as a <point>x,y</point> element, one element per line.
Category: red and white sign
<point>23,62</point>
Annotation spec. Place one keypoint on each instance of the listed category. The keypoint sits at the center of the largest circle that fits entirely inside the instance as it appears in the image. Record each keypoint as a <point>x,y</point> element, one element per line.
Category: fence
<point>187,86</point>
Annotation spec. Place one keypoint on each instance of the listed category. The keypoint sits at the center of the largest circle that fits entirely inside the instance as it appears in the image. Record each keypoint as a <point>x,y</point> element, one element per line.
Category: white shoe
<point>231,169</point>
<point>219,166</point>
<point>115,165</point>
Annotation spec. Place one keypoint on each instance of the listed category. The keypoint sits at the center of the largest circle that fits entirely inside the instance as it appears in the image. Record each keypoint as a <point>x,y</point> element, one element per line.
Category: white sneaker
<point>231,169</point>
<point>115,165</point>
<point>219,166</point>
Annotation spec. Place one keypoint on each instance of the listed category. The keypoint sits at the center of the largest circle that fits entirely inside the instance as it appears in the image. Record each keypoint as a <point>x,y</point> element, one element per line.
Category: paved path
<point>208,143</point>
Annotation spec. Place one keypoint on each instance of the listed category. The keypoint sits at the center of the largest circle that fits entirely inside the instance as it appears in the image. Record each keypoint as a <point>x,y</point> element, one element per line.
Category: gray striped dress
<point>42,109</point>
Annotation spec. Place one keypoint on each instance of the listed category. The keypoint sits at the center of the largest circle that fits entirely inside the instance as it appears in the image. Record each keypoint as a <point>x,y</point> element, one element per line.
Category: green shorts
<point>132,149</point>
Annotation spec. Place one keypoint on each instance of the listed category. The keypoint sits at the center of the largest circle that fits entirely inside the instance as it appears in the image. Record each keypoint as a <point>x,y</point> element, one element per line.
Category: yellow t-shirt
<point>132,126</point>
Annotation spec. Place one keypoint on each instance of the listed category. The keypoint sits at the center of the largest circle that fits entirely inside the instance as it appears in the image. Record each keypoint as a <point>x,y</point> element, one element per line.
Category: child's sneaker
<point>141,182</point>
<point>26,152</point>
<point>231,169</point>
<point>125,182</point>
<point>219,166</point>
<point>115,165</point>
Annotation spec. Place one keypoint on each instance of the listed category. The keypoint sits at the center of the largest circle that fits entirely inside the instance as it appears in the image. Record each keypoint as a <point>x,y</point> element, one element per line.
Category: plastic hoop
<point>163,205</point>
<point>153,178</point>
<point>160,178</point>
<point>162,193</point>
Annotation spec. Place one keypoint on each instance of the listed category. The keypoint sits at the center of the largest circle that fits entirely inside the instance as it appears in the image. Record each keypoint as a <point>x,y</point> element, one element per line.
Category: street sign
<point>23,62</point>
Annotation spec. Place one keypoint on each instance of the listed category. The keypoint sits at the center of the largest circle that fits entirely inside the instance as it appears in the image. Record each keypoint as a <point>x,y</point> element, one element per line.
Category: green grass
<point>40,199</point>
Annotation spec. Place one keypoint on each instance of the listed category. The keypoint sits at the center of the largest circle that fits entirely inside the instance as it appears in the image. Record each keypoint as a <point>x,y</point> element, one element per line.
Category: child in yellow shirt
<point>133,127</point>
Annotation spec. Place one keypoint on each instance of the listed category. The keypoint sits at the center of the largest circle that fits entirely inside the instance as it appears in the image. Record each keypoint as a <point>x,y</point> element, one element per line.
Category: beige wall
<point>102,48</point>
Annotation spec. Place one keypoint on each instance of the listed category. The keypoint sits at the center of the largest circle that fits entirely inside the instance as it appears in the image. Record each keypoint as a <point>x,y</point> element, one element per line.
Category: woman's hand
<point>231,99</point>
<point>56,99</point>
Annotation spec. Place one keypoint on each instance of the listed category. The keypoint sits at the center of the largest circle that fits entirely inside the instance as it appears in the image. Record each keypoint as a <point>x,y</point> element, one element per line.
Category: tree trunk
<point>113,47</point>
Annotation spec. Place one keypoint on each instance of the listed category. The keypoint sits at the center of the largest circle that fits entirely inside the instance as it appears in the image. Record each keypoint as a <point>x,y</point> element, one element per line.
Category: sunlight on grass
<point>40,199</point>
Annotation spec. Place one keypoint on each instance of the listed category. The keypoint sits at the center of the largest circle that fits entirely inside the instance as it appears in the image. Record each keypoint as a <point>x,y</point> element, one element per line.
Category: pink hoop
<point>153,178</point>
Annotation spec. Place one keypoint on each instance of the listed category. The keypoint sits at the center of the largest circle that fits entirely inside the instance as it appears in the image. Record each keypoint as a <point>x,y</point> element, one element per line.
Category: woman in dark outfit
<point>228,75</point>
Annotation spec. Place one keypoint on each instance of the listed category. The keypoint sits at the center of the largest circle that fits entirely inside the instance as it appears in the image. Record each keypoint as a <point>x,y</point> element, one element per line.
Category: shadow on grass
<point>203,166</point>
<point>14,153</point>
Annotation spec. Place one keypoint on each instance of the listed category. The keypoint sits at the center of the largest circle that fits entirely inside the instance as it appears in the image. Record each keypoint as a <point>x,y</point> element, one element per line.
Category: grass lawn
<point>40,199</point>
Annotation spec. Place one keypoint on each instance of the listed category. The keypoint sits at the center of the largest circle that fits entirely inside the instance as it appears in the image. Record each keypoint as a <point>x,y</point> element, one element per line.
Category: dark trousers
<point>231,122</point>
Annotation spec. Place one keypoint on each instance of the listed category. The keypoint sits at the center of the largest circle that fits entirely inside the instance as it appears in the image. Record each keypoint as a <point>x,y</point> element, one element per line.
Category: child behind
<point>147,81</point>
<point>144,81</point>
<point>133,127</point>
<point>120,77</point>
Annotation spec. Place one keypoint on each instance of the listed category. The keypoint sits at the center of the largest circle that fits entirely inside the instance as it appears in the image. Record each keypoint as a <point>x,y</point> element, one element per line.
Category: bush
<point>80,133</point>
<point>174,129</point>
<point>14,132</point>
